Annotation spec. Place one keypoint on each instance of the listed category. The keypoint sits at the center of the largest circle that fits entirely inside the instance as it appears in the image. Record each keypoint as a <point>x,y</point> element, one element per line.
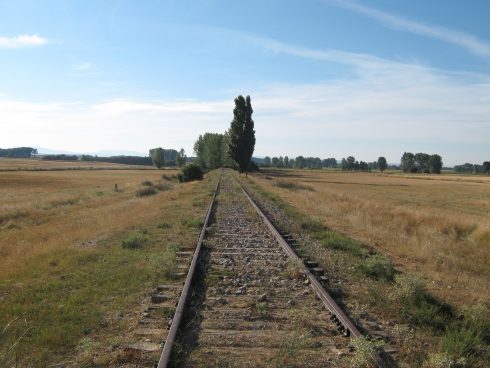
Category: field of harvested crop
<point>65,269</point>
<point>436,226</point>
<point>10,164</point>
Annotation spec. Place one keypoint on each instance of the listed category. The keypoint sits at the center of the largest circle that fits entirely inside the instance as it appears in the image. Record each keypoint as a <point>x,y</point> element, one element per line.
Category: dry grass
<point>438,226</point>
<point>12,164</point>
<point>63,271</point>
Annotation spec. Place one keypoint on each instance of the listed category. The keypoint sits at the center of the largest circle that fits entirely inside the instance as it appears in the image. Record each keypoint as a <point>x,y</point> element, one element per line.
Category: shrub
<point>420,306</point>
<point>379,267</point>
<point>148,183</point>
<point>292,186</point>
<point>162,187</point>
<point>134,240</point>
<point>465,339</point>
<point>443,361</point>
<point>146,192</point>
<point>190,172</point>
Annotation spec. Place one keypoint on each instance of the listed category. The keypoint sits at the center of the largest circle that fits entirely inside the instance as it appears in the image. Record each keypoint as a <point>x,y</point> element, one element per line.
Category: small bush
<point>420,306</point>
<point>168,177</point>
<point>443,361</point>
<point>134,240</point>
<point>190,172</point>
<point>465,339</point>
<point>147,191</point>
<point>163,187</point>
<point>292,186</point>
<point>164,225</point>
<point>196,222</point>
<point>148,183</point>
<point>379,267</point>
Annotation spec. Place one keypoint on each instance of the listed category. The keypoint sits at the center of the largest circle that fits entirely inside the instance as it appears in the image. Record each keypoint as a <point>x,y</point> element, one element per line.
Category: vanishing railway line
<point>248,299</point>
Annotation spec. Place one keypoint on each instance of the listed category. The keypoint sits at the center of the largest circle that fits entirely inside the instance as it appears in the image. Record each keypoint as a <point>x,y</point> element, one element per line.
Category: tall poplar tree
<point>242,133</point>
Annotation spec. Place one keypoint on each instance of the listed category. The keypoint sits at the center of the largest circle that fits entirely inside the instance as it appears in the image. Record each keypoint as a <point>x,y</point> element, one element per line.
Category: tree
<point>275,162</point>
<point>382,164</point>
<point>435,164</point>
<point>158,157</point>
<point>300,162</point>
<point>286,161</point>
<point>267,161</point>
<point>422,161</point>
<point>181,158</point>
<point>199,151</point>
<point>242,133</point>
<point>407,162</point>
<point>351,163</point>
<point>486,166</point>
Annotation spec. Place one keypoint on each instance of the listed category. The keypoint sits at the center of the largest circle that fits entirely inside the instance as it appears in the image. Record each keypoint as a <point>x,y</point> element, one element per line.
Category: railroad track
<point>249,301</point>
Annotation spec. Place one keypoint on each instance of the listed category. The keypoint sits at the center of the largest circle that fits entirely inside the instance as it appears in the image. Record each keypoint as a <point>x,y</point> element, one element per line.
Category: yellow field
<point>63,271</point>
<point>438,226</point>
<point>28,164</point>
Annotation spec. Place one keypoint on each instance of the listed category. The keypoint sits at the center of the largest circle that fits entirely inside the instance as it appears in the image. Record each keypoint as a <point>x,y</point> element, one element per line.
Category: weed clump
<point>379,267</point>
<point>147,191</point>
<point>418,304</point>
<point>134,240</point>
<point>163,187</point>
<point>147,183</point>
<point>292,186</point>
<point>190,172</point>
<point>465,339</point>
<point>334,240</point>
<point>365,351</point>
<point>164,225</point>
<point>196,222</point>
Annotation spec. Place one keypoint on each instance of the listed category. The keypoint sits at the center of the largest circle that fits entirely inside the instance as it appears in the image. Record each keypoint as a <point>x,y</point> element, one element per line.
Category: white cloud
<point>455,37</point>
<point>23,40</point>
<point>383,108</point>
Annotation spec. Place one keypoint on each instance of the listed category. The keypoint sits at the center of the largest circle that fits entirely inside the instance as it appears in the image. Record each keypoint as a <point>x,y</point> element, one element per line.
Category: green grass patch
<point>292,186</point>
<point>379,267</point>
<point>134,240</point>
<point>418,305</point>
<point>195,222</point>
<point>335,240</point>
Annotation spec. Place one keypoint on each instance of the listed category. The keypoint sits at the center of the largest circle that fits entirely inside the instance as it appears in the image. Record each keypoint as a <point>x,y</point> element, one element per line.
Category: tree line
<point>18,152</point>
<point>421,163</point>
<point>468,168</point>
<point>160,157</point>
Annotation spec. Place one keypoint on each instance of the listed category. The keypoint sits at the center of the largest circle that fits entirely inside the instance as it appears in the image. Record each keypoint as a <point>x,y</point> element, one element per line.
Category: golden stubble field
<point>64,273</point>
<point>436,226</point>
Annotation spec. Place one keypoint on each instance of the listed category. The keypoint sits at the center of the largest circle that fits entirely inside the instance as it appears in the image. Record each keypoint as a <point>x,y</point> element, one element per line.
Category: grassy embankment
<point>76,257</point>
<point>433,227</point>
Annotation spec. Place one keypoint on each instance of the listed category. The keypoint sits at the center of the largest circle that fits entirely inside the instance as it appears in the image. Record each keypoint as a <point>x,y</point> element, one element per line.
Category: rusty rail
<point>179,311</point>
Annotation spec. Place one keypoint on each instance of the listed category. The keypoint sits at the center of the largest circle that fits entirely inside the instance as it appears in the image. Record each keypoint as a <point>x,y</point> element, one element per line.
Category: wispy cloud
<point>455,37</point>
<point>23,40</point>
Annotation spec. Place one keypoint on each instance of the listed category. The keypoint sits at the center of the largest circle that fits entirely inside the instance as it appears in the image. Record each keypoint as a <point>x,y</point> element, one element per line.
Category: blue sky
<point>328,78</point>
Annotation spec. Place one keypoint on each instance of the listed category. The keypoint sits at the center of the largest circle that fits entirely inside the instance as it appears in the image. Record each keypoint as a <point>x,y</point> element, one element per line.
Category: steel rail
<point>320,291</point>
<point>179,311</point>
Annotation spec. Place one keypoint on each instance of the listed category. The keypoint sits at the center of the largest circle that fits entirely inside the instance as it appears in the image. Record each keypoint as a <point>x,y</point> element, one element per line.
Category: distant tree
<point>242,133</point>
<point>267,161</point>
<point>422,162</point>
<point>158,157</point>
<point>382,164</point>
<point>199,151</point>
<point>435,164</point>
<point>291,162</point>
<point>407,162</point>
<point>351,163</point>
<point>275,161</point>
<point>300,162</point>
<point>181,158</point>
<point>343,164</point>
<point>486,167</point>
